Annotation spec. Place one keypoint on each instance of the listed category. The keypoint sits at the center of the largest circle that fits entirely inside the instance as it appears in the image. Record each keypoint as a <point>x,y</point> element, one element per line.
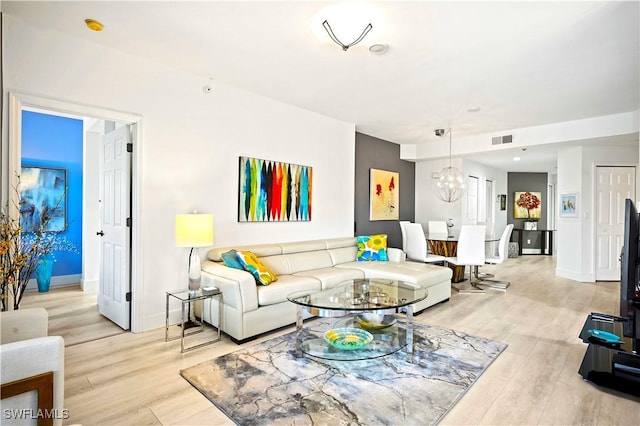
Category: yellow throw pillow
<point>252,264</point>
<point>372,248</point>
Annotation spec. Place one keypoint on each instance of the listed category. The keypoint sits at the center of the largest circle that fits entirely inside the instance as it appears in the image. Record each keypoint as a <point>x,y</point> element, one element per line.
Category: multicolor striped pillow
<point>252,264</point>
<point>372,248</point>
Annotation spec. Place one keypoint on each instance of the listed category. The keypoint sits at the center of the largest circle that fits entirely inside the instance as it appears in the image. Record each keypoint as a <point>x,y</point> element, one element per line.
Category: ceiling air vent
<point>499,140</point>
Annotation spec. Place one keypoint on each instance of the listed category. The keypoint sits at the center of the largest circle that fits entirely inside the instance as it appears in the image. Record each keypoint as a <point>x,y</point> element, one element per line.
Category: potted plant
<point>50,242</point>
<point>22,253</point>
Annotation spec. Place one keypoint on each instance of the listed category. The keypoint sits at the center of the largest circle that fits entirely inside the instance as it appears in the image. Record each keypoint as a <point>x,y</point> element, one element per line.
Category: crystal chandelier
<point>449,185</point>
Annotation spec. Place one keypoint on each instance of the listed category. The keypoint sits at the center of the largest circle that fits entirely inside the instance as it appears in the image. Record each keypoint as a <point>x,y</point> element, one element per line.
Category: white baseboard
<point>90,286</point>
<point>531,251</point>
<point>59,281</point>
<point>575,276</point>
<point>153,321</point>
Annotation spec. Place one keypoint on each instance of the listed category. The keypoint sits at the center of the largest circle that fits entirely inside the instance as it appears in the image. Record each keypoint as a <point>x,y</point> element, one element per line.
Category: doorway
<point>613,186</point>
<point>18,102</point>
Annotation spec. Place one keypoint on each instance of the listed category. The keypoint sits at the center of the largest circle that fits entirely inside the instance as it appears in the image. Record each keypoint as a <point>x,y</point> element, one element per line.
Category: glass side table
<point>187,299</point>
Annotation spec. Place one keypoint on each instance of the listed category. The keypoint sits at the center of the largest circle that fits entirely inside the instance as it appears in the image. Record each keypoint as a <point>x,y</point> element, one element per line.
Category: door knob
<point>101,233</point>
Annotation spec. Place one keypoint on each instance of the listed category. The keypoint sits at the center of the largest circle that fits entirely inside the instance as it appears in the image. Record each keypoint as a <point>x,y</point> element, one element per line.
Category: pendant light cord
<point>449,147</point>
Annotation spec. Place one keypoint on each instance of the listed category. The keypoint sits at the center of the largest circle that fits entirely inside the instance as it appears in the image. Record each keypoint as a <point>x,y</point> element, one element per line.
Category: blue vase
<point>43,272</point>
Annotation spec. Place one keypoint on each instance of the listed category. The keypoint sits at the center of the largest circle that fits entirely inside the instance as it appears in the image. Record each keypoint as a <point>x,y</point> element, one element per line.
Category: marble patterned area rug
<point>267,384</point>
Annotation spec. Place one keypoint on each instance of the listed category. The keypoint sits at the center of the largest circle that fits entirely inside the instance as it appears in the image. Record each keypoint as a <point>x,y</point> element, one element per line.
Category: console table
<point>545,235</point>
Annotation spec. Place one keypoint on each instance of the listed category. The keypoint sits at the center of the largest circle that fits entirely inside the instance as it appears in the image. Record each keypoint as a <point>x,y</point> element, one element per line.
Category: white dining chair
<point>404,234</point>
<point>417,245</point>
<point>503,254</point>
<point>470,253</point>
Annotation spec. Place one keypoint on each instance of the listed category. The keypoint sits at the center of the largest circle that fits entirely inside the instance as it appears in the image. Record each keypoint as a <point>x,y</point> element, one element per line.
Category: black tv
<point>630,267</point>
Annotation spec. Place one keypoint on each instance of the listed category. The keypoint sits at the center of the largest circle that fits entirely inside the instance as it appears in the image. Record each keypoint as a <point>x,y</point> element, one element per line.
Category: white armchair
<point>32,374</point>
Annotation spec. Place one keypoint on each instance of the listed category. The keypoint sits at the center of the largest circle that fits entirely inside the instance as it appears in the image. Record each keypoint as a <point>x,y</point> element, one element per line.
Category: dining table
<point>447,245</point>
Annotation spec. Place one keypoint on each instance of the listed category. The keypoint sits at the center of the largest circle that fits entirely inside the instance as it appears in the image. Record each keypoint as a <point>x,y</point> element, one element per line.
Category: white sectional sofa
<point>250,310</point>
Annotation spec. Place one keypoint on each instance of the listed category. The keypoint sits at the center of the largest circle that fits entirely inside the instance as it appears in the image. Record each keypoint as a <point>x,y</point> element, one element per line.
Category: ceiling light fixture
<point>93,25</point>
<point>516,158</point>
<point>449,184</point>
<point>335,39</point>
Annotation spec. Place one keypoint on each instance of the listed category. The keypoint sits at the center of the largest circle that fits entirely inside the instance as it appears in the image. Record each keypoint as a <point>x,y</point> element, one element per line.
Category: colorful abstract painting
<point>43,194</point>
<point>527,205</point>
<point>384,195</point>
<point>271,191</point>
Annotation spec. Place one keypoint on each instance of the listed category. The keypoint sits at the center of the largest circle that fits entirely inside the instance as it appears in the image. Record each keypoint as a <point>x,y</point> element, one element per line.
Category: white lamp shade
<point>194,230</point>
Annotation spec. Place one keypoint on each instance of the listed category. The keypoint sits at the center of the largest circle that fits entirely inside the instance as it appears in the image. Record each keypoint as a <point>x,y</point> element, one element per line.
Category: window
<point>472,199</point>
<point>488,202</point>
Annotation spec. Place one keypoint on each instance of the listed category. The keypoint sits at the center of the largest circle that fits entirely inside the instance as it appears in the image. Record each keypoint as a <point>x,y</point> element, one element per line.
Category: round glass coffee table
<point>367,326</point>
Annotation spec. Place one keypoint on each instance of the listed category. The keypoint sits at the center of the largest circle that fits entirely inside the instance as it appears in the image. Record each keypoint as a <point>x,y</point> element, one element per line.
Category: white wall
<point>569,237</point>
<point>576,236</point>
<point>499,178</point>
<point>590,128</point>
<point>429,207</point>
<point>93,132</point>
<point>190,146</point>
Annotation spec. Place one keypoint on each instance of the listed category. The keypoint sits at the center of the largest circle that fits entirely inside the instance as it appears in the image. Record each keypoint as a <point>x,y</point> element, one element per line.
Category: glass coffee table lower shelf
<point>385,341</point>
<point>364,323</point>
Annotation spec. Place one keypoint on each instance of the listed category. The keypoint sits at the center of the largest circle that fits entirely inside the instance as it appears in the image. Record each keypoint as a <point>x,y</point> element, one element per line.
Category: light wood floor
<point>73,314</point>
<point>133,379</point>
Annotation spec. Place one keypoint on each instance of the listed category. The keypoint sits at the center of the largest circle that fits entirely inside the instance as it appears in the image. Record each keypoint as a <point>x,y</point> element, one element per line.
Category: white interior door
<point>115,178</point>
<point>614,185</point>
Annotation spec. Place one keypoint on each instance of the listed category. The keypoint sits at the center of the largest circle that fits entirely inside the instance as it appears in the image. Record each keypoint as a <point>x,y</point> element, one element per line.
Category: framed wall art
<point>527,205</point>
<point>43,194</point>
<point>503,201</point>
<point>568,205</point>
<point>272,191</point>
<point>384,195</point>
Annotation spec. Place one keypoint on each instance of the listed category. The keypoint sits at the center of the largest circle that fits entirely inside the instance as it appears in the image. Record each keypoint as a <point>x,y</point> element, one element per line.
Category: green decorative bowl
<point>348,338</point>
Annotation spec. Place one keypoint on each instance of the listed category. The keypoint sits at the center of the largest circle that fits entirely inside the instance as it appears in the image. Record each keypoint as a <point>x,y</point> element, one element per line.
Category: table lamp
<point>194,230</point>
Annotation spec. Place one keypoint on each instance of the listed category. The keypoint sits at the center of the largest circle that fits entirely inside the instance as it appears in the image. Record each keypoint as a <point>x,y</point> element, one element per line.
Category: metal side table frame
<point>186,298</point>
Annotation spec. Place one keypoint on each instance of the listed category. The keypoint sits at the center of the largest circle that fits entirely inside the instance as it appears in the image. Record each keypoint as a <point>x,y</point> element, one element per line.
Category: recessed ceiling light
<point>516,158</point>
<point>93,25</point>
<point>473,109</point>
<point>378,48</point>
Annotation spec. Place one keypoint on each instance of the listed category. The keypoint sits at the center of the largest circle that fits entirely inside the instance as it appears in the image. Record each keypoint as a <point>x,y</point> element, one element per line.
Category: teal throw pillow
<point>230,259</point>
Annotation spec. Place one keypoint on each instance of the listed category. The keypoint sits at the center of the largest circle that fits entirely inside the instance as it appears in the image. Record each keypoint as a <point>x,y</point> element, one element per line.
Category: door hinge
<point>129,222</point>
<point>129,147</point>
<point>127,296</point>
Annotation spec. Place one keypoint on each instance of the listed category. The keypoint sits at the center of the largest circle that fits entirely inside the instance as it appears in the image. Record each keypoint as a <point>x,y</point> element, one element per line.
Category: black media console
<point>612,365</point>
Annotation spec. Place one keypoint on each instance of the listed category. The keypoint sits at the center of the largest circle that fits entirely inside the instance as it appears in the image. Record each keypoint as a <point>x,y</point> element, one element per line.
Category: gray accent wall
<point>374,153</point>
<point>533,182</point>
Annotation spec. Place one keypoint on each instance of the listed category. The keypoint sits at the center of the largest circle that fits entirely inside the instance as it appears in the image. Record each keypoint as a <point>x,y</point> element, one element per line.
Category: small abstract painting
<point>271,191</point>
<point>503,201</point>
<point>43,199</point>
<point>569,205</point>
<point>384,195</point>
<point>527,205</point>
